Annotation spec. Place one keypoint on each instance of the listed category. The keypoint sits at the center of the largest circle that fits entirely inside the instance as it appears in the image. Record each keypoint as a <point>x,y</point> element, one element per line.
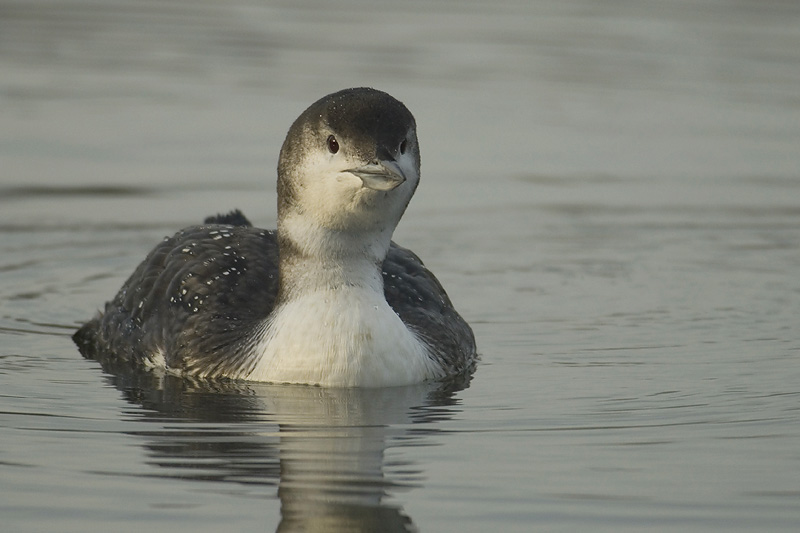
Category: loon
<point>327,299</point>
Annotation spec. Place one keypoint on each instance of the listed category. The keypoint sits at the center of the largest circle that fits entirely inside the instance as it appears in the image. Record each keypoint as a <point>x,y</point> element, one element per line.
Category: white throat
<point>322,258</point>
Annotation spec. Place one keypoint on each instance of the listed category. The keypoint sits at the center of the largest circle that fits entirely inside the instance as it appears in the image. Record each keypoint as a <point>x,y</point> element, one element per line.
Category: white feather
<point>343,337</point>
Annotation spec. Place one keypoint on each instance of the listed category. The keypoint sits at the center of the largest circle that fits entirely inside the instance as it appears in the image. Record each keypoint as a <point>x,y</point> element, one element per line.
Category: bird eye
<point>333,144</point>
<point>403,146</point>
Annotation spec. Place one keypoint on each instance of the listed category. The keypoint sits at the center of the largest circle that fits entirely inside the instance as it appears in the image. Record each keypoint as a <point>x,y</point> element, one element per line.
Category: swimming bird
<point>328,299</point>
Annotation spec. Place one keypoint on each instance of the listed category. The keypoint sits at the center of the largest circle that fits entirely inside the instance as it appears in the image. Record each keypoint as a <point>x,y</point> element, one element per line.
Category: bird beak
<point>381,176</point>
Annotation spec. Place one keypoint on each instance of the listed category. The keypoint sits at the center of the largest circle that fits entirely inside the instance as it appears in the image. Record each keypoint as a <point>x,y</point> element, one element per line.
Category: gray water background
<point>610,195</point>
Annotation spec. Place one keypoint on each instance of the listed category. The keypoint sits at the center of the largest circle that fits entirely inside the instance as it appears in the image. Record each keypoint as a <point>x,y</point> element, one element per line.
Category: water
<point>611,196</point>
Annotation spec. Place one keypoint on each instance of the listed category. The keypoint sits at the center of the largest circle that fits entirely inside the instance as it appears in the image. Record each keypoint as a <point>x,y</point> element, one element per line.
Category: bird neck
<point>315,258</point>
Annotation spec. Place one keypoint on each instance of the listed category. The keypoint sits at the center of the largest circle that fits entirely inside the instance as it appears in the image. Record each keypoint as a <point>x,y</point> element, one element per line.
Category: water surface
<point>610,195</point>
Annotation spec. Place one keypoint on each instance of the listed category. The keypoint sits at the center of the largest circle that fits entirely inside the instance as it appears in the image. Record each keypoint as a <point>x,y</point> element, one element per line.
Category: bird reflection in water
<point>324,449</point>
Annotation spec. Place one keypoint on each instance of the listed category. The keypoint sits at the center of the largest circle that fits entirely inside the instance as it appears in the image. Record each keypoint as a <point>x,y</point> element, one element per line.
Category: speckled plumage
<point>203,301</point>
